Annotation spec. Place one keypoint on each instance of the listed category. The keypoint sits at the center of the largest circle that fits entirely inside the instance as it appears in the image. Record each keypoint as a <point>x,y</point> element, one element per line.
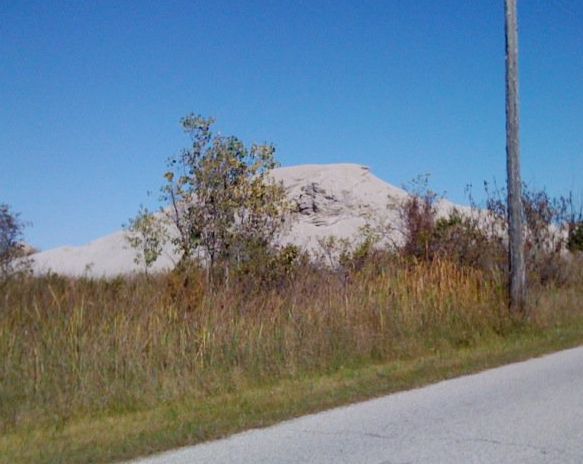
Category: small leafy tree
<point>147,235</point>
<point>221,198</point>
<point>12,248</point>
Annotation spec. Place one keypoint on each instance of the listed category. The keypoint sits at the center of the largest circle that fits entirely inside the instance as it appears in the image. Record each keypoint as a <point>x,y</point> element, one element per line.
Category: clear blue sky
<point>91,93</point>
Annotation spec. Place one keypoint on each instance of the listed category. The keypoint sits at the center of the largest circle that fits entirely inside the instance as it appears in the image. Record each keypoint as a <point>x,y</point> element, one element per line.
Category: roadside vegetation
<point>245,332</point>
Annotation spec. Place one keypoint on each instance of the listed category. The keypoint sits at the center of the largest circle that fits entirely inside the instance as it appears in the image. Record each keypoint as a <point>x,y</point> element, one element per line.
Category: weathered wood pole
<point>517,270</point>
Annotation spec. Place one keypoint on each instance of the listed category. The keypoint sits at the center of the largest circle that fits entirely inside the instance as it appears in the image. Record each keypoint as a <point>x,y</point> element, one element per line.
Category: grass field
<point>98,371</point>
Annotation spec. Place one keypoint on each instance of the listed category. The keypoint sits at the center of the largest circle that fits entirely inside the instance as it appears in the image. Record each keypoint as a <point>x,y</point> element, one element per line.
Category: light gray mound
<point>331,200</point>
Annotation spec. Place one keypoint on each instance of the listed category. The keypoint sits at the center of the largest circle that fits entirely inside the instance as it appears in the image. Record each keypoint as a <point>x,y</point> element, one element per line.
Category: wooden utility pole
<point>517,271</point>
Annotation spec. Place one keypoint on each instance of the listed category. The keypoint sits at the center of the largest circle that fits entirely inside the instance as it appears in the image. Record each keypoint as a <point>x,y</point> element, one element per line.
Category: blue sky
<point>91,94</point>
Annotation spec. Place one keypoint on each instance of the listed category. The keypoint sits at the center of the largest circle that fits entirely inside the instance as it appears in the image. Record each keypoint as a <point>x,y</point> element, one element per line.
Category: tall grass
<point>78,347</point>
<point>72,348</point>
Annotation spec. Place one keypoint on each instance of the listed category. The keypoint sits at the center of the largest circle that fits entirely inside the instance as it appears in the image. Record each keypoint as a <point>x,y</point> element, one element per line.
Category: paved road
<point>530,412</point>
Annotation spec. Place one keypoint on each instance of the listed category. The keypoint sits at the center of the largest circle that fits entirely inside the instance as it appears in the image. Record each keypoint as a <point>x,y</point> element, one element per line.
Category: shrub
<point>418,214</point>
<point>546,220</point>
<point>464,240</point>
<point>270,268</point>
<point>221,198</point>
<point>459,237</point>
<point>477,238</point>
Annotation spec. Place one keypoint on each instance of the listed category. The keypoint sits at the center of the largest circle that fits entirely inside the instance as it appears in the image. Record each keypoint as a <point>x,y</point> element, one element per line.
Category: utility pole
<point>517,270</point>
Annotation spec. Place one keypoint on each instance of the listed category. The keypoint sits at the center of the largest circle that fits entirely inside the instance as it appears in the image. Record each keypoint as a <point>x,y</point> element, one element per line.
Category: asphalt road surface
<point>529,412</point>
